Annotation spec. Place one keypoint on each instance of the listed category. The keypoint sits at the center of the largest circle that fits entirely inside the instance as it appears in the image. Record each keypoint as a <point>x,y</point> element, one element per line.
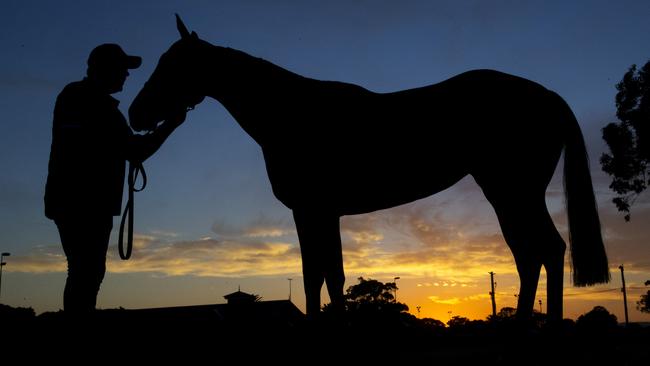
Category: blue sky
<point>208,221</point>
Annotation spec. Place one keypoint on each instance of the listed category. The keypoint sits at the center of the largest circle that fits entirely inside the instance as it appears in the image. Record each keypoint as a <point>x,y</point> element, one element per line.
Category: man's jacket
<point>91,142</point>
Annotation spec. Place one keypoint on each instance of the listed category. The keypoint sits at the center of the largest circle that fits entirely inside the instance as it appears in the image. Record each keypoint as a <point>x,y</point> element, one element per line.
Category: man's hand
<point>143,146</point>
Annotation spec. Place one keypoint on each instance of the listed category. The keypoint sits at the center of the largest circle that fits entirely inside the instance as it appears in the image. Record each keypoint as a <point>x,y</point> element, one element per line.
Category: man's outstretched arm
<point>141,147</point>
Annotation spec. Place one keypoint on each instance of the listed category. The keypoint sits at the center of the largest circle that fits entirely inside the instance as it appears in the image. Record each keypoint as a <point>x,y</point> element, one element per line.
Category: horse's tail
<point>588,257</point>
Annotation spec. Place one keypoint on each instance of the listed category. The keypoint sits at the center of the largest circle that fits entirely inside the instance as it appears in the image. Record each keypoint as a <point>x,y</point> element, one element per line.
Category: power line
<point>637,288</point>
<point>618,289</point>
<point>592,292</point>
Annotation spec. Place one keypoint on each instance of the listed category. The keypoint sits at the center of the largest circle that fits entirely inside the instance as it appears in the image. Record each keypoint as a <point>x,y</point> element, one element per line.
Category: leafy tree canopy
<point>598,319</point>
<point>432,323</point>
<point>372,304</point>
<point>373,295</point>
<point>643,304</point>
<point>458,321</point>
<point>629,139</point>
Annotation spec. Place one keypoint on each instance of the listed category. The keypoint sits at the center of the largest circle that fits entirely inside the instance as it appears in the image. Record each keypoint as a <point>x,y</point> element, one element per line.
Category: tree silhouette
<point>629,139</point>
<point>16,316</point>
<point>507,317</point>
<point>371,291</point>
<point>506,313</point>
<point>462,325</point>
<point>643,304</point>
<point>598,319</point>
<point>432,323</point>
<point>371,302</point>
<point>458,322</point>
<point>373,296</point>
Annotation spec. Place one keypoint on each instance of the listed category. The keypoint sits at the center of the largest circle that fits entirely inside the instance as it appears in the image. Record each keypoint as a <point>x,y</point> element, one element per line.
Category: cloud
<point>203,257</point>
<point>262,227</point>
<point>210,257</point>
<point>450,301</point>
<point>41,259</point>
<point>373,244</point>
<point>164,233</point>
<point>263,232</point>
<point>627,242</point>
<point>422,239</point>
<point>360,233</point>
<point>457,300</point>
<point>429,239</point>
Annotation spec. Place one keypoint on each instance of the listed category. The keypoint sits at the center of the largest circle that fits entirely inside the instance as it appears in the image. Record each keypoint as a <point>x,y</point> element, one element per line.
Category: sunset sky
<point>208,222</point>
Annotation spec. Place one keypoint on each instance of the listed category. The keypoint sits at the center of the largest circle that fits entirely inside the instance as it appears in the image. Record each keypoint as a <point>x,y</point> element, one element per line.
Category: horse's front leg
<point>322,258</point>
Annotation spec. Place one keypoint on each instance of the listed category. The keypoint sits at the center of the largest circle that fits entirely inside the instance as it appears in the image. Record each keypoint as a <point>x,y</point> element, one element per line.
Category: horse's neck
<point>248,87</point>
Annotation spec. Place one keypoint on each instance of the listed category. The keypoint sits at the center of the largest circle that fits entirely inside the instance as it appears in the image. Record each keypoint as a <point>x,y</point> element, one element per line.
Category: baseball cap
<point>112,55</point>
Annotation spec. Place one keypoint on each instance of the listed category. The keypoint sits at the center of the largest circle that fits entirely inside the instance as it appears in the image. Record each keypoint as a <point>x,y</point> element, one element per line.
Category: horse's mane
<point>256,67</point>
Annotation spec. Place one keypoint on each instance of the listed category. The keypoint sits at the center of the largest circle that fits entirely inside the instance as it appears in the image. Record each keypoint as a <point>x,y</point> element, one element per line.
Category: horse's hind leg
<point>531,235</point>
<point>551,250</point>
<point>528,267</point>
<point>322,260</point>
<point>554,264</point>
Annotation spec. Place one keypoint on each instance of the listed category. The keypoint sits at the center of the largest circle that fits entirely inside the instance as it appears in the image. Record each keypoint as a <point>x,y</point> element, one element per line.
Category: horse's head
<point>174,87</point>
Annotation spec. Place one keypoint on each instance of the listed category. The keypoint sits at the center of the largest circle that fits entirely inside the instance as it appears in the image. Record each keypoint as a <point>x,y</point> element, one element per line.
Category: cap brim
<point>133,62</point>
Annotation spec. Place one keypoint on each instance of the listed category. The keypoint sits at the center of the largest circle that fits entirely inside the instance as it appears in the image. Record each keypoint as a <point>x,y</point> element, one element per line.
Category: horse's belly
<point>379,192</point>
<point>351,185</point>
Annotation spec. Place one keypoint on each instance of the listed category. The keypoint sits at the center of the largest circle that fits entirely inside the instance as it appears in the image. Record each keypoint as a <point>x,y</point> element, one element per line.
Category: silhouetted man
<point>91,142</point>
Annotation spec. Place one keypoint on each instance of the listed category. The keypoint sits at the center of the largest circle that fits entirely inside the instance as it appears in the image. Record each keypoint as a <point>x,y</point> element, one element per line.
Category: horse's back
<point>361,151</point>
<point>517,130</point>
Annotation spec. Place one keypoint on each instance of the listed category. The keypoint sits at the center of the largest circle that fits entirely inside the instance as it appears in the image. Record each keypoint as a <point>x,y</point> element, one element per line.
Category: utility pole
<point>395,282</point>
<point>290,279</point>
<point>494,303</point>
<point>2,264</point>
<point>418,307</point>
<point>627,322</point>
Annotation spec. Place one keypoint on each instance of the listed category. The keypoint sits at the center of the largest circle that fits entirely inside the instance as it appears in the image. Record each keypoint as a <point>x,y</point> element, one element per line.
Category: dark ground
<point>115,335</point>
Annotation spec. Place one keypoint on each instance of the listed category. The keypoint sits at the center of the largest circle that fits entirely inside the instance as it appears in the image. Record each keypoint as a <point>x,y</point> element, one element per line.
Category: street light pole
<point>395,282</point>
<point>290,279</point>
<point>627,322</point>
<point>494,303</point>
<point>2,264</point>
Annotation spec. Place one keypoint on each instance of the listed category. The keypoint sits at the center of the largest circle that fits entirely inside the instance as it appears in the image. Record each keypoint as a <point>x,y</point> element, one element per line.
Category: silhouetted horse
<point>334,149</point>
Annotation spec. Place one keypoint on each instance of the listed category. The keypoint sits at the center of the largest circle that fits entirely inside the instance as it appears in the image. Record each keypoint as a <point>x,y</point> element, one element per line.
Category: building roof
<point>240,296</point>
<point>275,313</point>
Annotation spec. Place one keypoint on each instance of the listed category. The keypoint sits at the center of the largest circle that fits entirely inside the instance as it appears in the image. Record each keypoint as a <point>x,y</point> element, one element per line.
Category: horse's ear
<point>194,35</point>
<point>182,29</point>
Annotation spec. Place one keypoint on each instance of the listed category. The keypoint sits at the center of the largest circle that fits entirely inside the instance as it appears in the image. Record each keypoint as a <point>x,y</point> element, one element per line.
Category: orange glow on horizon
<point>445,279</point>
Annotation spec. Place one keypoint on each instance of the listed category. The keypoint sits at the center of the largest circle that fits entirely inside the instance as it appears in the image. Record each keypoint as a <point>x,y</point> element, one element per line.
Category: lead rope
<point>134,170</point>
